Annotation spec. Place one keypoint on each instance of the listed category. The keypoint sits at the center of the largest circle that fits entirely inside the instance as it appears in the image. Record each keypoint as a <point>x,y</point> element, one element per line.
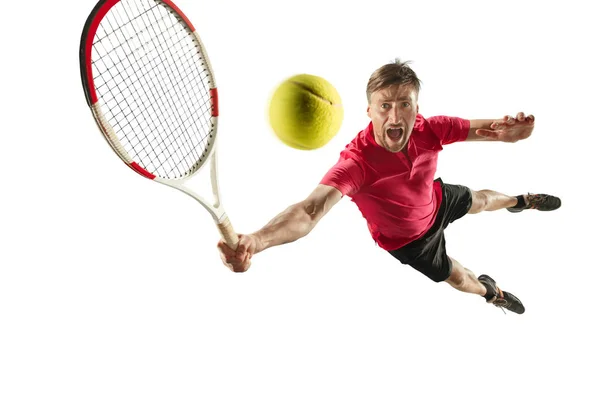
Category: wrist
<point>259,243</point>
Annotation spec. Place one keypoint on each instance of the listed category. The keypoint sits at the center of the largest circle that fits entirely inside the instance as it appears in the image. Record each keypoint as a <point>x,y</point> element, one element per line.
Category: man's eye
<point>385,105</point>
<point>406,104</point>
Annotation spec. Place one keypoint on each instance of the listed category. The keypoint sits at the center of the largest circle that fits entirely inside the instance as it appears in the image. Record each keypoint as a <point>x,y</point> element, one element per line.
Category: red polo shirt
<point>397,196</point>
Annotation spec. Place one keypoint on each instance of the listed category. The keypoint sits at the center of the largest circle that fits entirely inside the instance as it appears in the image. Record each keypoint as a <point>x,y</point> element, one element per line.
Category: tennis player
<point>388,171</point>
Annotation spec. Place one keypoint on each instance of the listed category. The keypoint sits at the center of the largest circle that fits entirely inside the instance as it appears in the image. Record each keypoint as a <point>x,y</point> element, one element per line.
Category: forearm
<point>479,124</point>
<point>290,225</point>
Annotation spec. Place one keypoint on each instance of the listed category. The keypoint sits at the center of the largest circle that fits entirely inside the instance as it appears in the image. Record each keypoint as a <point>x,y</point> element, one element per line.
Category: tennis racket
<point>151,89</point>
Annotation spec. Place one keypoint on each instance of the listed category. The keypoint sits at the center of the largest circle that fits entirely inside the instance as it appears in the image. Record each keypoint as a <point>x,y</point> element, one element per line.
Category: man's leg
<point>488,200</point>
<point>464,280</point>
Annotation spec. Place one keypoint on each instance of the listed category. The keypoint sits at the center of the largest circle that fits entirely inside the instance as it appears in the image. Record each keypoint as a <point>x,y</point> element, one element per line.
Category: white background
<point>111,286</point>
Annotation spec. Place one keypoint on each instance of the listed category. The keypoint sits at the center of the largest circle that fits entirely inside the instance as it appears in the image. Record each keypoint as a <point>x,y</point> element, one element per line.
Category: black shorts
<point>428,253</point>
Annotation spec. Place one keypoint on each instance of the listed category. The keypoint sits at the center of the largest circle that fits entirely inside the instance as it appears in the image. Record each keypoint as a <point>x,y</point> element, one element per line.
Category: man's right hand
<point>238,260</point>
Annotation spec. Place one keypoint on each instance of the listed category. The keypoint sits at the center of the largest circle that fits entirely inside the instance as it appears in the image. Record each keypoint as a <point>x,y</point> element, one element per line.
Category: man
<point>388,172</point>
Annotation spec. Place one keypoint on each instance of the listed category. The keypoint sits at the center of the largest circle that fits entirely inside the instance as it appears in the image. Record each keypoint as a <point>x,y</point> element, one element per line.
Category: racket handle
<point>228,234</point>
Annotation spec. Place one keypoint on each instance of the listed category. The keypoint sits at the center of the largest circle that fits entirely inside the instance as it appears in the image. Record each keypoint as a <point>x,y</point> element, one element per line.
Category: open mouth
<point>395,133</point>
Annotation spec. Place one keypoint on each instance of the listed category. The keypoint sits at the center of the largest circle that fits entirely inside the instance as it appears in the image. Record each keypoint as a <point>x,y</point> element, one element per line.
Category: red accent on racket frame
<point>181,14</point>
<point>141,170</point>
<point>89,41</point>
<point>214,98</point>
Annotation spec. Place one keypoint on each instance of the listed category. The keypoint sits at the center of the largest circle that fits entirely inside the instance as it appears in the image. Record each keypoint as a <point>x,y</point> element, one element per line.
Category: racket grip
<point>228,234</point>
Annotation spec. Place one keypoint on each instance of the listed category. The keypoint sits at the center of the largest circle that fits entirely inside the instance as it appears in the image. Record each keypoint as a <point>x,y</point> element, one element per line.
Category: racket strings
<point>185,146</point>
<point>140,109</point>
<point>189,80</point>
<point>158,34</point>
<point>116,79</point>
<point>155,92</point>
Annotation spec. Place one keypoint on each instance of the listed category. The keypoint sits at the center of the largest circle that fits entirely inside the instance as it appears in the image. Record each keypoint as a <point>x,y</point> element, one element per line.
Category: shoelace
<point>535,200</point>
<point>499,301</point>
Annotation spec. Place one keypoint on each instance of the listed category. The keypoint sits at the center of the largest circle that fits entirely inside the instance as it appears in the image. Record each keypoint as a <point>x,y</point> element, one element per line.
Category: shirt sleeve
<point>346,175</point>
<point>449,129</point>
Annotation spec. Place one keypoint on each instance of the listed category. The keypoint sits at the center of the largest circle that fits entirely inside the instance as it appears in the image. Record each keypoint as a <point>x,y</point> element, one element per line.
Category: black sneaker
<point>541,202</point>
<point>500,298</point>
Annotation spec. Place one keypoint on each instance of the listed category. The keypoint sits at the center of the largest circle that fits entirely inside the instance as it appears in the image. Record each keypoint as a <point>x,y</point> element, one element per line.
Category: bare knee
<point>480,201</point>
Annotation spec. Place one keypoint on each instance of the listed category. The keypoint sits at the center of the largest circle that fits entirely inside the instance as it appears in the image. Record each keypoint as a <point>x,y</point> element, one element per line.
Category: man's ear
<point>369,111</point>
<point>417,108</point>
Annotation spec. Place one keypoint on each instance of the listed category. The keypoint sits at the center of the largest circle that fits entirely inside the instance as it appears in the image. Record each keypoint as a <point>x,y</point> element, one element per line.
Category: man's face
<point>393,111</point>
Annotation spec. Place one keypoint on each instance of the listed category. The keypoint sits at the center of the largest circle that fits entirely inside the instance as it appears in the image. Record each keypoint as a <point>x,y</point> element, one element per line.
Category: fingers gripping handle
<point>228,234</point>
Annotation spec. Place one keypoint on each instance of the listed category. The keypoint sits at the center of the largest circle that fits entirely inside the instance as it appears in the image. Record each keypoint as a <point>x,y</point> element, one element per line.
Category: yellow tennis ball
<point>305,112</point>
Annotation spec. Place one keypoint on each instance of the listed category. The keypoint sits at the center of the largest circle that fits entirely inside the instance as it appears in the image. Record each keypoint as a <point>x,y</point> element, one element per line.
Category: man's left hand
<point>509,129</point>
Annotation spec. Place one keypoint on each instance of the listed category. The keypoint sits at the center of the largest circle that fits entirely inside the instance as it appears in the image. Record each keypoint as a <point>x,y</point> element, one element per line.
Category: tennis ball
<point>305,112</point>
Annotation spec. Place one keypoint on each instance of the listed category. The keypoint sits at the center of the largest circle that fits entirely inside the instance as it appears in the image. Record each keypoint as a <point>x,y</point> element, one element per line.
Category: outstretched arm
<point>299,219</point>
<point>290,225</point>
<point>508,129</point>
